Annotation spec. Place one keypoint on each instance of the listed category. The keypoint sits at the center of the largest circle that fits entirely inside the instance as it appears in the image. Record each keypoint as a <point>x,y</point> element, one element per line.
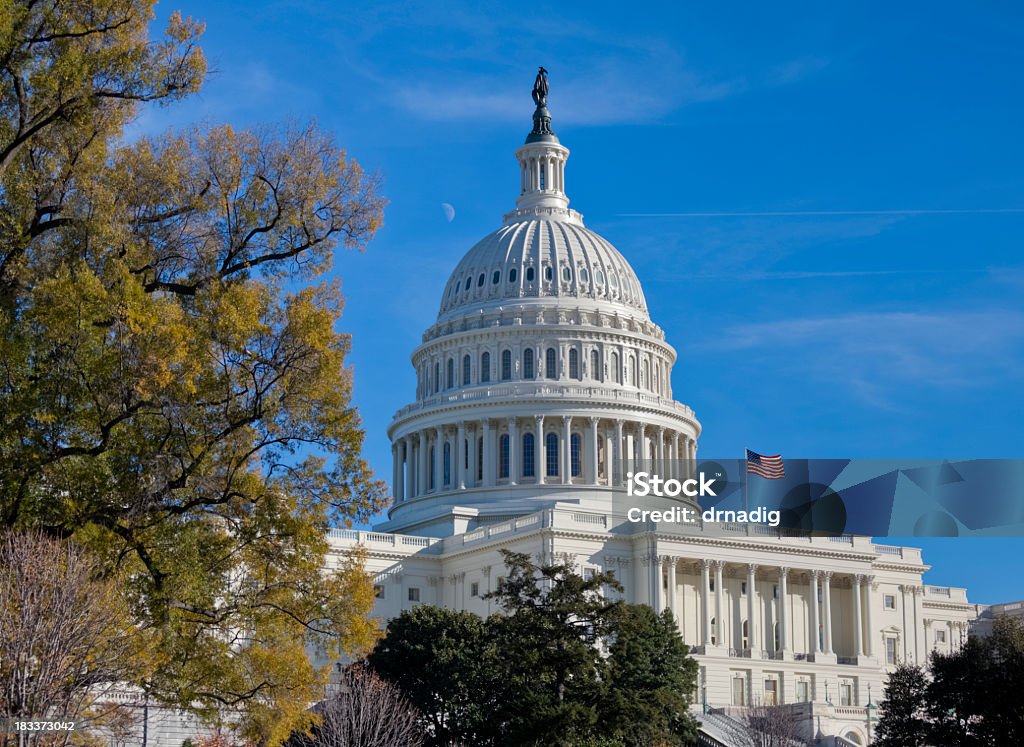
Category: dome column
<point>617,458</point>
<point>566,466</point>
<point>422,484</point>
<point>661,470</point>
<point>642,447</point>
<point>488,476</point>
<point>542,451</point>
<point>675,456</point>
<point>812,609</point>
<point>460,456</point>
<point>410,483</point>
<point>592,477</point>
<point>513,452</point>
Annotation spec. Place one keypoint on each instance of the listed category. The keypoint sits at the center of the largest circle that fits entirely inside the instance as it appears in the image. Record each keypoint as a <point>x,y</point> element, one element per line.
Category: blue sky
<point>825,205</point>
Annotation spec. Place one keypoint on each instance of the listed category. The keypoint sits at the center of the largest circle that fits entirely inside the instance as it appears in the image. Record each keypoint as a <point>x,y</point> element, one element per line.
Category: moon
<point>449,211</point>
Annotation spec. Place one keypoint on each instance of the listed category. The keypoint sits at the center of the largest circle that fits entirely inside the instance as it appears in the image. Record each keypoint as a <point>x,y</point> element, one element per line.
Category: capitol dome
<point>542,258</point>
<point>543,379</point>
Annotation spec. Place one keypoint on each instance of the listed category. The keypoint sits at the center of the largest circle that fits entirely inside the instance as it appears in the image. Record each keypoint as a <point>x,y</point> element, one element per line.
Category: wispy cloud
<point>879,354</point>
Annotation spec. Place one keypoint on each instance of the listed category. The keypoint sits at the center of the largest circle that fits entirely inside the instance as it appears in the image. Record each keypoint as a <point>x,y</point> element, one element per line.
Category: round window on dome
<point>480,281</point>
<point>613,280</point>
<point>548,274</point>
<point>599,277</point>
<point>512,275</point>
<point>529,274</point>
<point>584,275</point>
<point>458,287</point>
<point>469,282</point>
<point>496,277</point>
<point>566,274</point>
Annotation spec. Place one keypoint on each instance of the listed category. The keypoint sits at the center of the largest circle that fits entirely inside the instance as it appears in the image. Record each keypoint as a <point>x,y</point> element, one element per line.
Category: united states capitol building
<point>542,378</point>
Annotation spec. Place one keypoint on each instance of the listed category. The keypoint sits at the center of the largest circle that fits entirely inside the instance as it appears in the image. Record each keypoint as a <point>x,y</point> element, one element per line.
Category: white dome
<point>543,259</point>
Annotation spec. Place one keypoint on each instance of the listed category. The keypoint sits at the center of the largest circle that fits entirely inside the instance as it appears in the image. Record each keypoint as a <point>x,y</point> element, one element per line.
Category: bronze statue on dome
<point>540,88</point>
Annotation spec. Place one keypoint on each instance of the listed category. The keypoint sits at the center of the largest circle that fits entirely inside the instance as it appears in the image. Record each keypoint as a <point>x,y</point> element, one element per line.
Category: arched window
<point>566,274</point>
<point>430,476</point>
<point>595,366</point>
<point>746,634</point>
<point>543,175</point>
<point>506,365</point>
<point>574,454</point>
<point>437,378</point>
<point>447,465</point>
<point>616,369</point>
<point>574,363</point>
<point>529,274</point>
<point>599,277</point>
<point>480,459</point>
<point>551,454</point>
<point>634,375</point>
<point>512,275</point>
<point>548,274</point>
<point>450,381</point>
<point>528,363</point>
<point>469,282</point>
<point>485,367</point>
<point>465,456</point>
<point>550,364</point>
<point>465,369</point>
<point>529,470</point>
<point>496,278</point>
<point>503,444</point>
<point>645,375</point>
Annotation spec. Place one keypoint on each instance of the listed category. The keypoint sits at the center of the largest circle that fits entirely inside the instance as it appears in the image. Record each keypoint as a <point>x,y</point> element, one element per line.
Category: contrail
<point>811,213</point>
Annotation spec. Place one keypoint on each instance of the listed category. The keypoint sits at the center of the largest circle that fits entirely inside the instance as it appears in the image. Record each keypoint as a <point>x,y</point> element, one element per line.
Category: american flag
<point>768,467</point>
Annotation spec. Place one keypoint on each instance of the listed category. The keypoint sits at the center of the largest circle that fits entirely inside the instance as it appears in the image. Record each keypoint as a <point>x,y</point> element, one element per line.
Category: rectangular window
<point>803,691</point>
<point>890,651</point>
<point>529,467</point>
<point>474,589</point>
<point>845,694</point>
<point>711,584</point>
<point>889,601</point>
<point>771,692</point>
<point>589,573</point>
<point>414,594</point>
<point>743,587</point>
<point>378,591</point>
<point>940,636</point>
<point>775,591</point>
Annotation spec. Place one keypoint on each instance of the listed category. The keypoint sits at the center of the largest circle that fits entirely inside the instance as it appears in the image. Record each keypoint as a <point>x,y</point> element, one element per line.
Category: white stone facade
<point>541,379</point>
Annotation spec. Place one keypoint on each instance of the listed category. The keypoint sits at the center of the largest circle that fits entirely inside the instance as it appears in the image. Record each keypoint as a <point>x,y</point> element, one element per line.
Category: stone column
<point>827,613</point>
<point>869,637</point>
<point>783,601</point>
<point>395,467</point>
<point>752,608</point>
<point>858,632</point>
<point>812,611</point>
<point>513,452</point>
<point>658,581</point>
<point>422,483</point>
<point>461,456</point>
<point>676,471</point>
<point>488,470</point>
<point>565,469</point>
<point>672,588</point>
<point>618,456</point>
<point>541,457</point>
<point>641,451</point>
<point>705,598</point>
<point>438,460</point>
<point>594,469</point>
<point>720,601</point>
<point>410,469</point>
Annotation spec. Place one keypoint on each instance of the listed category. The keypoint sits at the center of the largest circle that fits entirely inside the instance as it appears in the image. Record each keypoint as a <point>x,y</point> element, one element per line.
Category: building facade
<point>542,380</point>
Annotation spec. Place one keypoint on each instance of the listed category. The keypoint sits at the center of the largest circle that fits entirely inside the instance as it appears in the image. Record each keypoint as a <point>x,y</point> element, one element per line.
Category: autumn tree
<point>174,392</point>
<point>66,637</point>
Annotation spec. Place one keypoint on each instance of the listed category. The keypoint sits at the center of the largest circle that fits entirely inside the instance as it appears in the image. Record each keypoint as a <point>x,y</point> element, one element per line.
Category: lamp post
<point>869,708</point>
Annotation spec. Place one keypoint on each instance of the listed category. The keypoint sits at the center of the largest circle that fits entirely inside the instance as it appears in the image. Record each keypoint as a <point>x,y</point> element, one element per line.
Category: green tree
<point>175,394</point>
<point>550,675</point>
<point>650,680</point>
<point>976,694</point>
<point>443,662</point>
<point>903,722</point>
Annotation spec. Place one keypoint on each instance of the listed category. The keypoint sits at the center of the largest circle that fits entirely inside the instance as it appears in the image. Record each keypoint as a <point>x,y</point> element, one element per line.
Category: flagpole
<point>746,480</point>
